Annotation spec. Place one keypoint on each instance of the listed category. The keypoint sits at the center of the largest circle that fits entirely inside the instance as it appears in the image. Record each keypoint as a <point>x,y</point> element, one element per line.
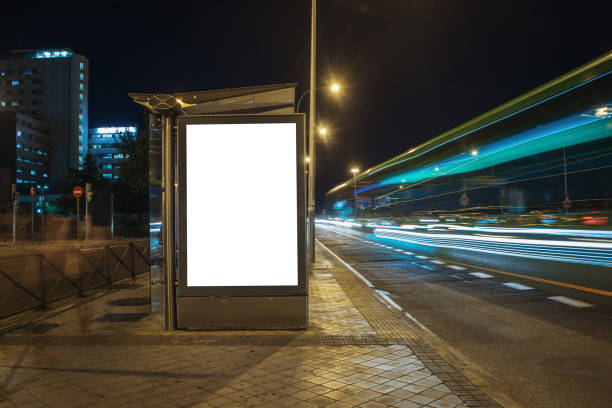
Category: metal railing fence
<point>34,280</point>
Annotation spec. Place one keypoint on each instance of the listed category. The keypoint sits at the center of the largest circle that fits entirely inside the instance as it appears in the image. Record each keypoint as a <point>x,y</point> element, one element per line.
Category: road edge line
<point>349,267</point>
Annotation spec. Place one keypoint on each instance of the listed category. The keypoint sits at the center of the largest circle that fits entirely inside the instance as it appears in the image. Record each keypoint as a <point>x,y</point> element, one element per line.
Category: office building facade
<point>51,86</point>
<point>104,148</point>
<point>24,154</point>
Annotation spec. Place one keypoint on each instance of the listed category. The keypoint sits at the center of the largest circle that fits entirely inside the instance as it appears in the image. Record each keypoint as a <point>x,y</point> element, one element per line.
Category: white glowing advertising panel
<point>241,200</point>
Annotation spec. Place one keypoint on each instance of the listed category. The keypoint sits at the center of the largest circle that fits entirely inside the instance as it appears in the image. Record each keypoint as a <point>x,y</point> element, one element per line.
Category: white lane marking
<point>481,275</point>
<point>456,267</point>
<point>570,301</point>
<point>349,267</point>
<point>391,302</point>
<point>388,247</point>
<point>518,286</point>
<point>408,253</point>
<point>437,262</point>
<point>456,277</point>
<point>423,266</point>
<point>422,257</point>
<point>399,250</point>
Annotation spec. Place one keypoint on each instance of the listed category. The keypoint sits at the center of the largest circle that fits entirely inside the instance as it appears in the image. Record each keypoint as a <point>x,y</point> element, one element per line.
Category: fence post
<point>132,260</point>
<point>41,270</point>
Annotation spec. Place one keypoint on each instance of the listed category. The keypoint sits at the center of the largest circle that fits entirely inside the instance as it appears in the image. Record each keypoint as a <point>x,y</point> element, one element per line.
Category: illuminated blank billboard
<point>240,202</point>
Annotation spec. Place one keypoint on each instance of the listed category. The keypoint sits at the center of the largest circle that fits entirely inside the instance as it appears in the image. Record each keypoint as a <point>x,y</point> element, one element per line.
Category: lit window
<point>80,116</point>
<point>116,177</point>
<point>2,73</point>
<point>107,175</point>
<point>118,156</point>
<point>19,133</point>
<point>19,158</point>
<point>33,172</point>
<point>28,72</point>
<point>3,103</point>
<point>19,181</point>
<point>14,83</point>
<point>82,76</point>
<point>81,86</point>
<point>15,103</point>
<point>19,171</point>
<point>80,97</point>
<point>107,166</point>
<point>39,152</point>
<point>108,156</point>
<point>19,145</point>
<point>45,175</point>
<point>81,66</point>
<point>96,146</point>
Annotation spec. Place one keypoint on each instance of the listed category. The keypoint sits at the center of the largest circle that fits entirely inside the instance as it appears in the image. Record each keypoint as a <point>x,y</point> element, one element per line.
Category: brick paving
<point>356,352</point>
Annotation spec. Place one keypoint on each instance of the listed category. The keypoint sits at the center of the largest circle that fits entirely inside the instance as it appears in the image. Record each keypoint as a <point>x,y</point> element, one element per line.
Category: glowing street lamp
<point>322,131</point>
<point>335,88</point>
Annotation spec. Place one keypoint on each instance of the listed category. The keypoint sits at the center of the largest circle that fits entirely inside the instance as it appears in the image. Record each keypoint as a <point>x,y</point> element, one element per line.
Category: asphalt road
<point>531,343</point>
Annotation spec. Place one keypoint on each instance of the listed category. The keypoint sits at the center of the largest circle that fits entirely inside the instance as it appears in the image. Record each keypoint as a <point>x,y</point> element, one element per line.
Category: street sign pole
<point>112,217</point>
<point>32,194</point>
<point>15,200</point>
<point>32,223</point>
<point>77,192</point>
<point>78,220</point>
<point>42,217</point>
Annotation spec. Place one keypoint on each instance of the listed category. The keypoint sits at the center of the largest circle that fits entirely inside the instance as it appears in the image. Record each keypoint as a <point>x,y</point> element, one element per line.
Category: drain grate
<point>120,317</point>
<point>130,302</point>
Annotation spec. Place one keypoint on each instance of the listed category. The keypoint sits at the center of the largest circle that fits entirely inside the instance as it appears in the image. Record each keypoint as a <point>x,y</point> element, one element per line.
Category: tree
<point>134,171</point>
<point>132,190</point>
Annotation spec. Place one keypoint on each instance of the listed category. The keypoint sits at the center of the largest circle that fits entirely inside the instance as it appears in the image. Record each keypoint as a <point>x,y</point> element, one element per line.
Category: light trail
<point>594,253</point>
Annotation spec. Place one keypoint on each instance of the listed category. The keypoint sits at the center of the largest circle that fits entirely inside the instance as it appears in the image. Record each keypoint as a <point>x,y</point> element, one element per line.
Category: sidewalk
<point>106,351</point>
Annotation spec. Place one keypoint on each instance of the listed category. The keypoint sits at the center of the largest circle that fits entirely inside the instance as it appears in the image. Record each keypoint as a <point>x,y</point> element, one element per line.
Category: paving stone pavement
<point>356,352</point>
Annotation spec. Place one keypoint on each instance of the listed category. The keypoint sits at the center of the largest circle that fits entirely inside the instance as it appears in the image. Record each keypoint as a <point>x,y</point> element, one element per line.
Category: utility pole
<point>311,132</point>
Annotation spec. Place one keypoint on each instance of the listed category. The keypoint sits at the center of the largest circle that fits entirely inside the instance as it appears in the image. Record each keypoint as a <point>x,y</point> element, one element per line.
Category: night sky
<point>410,69</point>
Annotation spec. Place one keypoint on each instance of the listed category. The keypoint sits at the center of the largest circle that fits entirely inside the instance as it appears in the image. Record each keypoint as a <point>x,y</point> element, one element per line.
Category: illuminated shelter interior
<point>532,153</point>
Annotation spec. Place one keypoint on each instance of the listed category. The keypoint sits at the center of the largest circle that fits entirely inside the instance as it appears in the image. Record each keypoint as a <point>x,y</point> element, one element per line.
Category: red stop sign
<point>77,191</point>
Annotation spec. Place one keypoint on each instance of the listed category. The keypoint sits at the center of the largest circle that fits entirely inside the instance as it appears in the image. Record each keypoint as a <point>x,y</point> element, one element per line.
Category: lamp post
<point>355,171</point>
<point>335,88</point>
<point>310,159</point>
<point>311,125</point>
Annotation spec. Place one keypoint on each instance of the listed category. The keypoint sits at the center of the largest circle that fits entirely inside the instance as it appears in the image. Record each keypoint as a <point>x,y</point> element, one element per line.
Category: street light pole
<point>311,132</point>
<point>354,171</point>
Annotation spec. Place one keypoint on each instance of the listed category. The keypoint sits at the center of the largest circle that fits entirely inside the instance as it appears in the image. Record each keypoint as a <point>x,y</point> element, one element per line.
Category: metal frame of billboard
<point>241,291</point>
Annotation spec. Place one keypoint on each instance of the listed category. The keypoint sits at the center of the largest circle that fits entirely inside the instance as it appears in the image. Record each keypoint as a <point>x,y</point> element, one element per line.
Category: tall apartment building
<point>51,86</point>
<point>103,148</point>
